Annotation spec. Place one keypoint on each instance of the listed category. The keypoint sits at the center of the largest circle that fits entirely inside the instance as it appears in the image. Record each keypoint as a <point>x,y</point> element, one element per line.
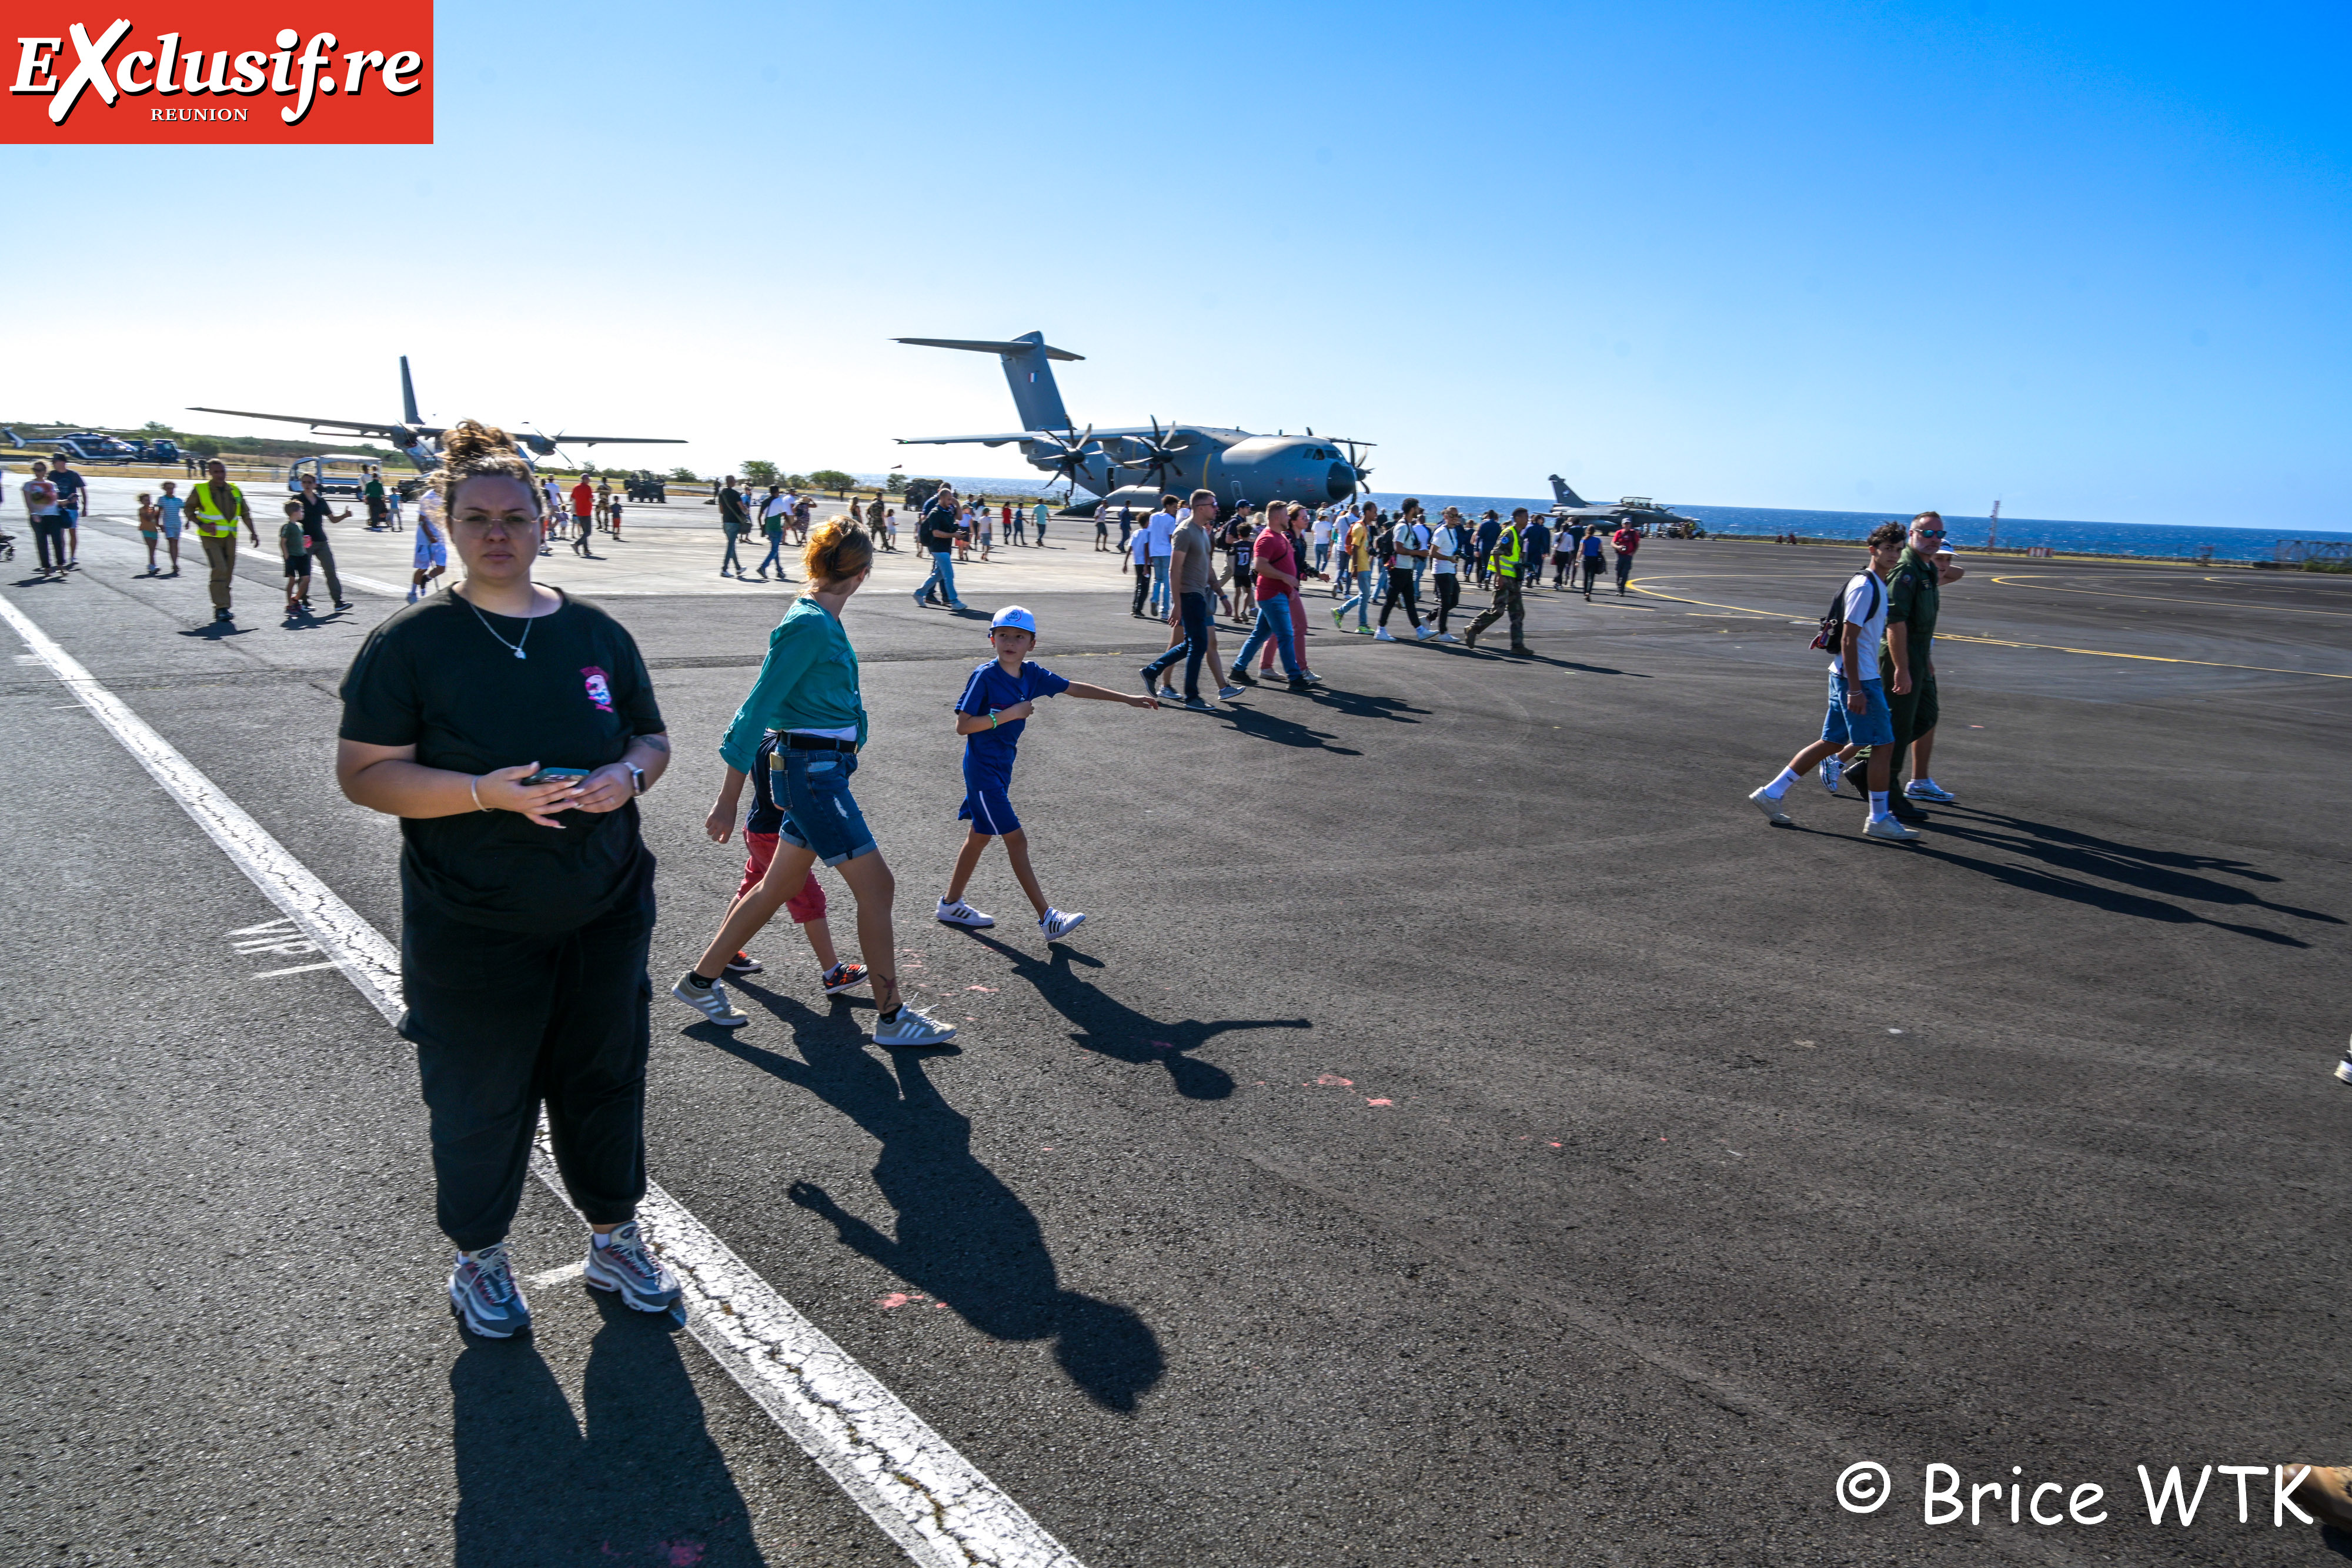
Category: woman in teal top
<point>807,696</point>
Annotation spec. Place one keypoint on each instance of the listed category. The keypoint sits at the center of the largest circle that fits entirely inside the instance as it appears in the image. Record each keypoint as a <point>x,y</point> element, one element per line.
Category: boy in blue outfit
<point>994,709</point>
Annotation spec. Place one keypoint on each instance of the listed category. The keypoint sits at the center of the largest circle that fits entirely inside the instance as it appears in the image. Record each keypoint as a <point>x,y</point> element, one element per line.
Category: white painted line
<point>297,970</point>
<point>938,1506</point>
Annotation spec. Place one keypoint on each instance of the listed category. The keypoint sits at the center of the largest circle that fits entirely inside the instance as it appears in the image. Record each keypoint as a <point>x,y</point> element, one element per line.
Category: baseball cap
<point>1013,615</point>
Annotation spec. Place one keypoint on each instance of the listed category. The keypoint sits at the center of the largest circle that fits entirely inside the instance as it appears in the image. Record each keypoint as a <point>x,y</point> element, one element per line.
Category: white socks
<point>1779,787</point>
<point>1878,802</point>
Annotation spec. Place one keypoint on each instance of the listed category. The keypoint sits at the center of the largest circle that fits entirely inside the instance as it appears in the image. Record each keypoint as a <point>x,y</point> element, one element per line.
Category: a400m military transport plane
<point>1237,465</point>
<point>420,441</point>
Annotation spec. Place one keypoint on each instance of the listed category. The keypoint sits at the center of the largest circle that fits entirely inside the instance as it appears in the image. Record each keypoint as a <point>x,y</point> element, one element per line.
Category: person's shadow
<point>641,1483</point>
<point>1110,1028</point>
<point>963,1236</point>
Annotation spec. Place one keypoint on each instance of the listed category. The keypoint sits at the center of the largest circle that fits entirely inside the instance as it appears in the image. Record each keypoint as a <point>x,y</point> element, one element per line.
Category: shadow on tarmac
<point>2151,872</point>
<point>1110,1028</point>
<point>964,1237</point>
<point>636,1479</point>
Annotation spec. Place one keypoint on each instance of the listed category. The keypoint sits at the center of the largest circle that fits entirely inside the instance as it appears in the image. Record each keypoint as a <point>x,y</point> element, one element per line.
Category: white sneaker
<point>710,1001</point>
<point>1382,636</point>
<point>1170,694</point>
<point>1423,633</point>
<point>963,914</point>
<point>1886,827</point>
<point>1832,771</point>
<point>1770,807</point>
<point>912,1027</point>
<point>1058,925</point>
<point>1448,637</point>
<point>1927,789</point>
<point>1227,693</point>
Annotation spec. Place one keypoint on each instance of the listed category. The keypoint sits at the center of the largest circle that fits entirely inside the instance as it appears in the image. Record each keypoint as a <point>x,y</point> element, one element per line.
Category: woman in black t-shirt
<point>510,727</point>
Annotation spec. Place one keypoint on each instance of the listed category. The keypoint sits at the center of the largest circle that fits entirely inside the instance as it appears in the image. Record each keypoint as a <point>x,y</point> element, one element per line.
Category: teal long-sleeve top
<point>808,681</point>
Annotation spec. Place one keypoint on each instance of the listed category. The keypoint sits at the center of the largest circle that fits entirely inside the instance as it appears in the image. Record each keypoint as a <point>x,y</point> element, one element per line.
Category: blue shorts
<point>985,804</point>
<point>820,814</point>
<point>1845,727</point>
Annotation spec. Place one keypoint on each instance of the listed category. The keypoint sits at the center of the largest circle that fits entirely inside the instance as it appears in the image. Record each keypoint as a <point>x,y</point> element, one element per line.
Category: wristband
<point>991,718</point>
<point>473,789</point>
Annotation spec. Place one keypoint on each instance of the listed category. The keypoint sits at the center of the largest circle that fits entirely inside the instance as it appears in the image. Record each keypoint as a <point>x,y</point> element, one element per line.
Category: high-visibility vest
<point>1506,559</point>
<point>211,522</point>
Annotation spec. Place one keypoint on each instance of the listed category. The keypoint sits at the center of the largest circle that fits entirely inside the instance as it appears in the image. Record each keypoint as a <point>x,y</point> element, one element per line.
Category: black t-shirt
<point>938,528</point>
<point>315,514</point>
<point>765,816</point>
<point>70,487</point>
<point>434,677</point>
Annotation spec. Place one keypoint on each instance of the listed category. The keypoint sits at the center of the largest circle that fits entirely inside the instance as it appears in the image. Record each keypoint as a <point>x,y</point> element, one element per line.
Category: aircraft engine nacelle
<point>1301,468</point>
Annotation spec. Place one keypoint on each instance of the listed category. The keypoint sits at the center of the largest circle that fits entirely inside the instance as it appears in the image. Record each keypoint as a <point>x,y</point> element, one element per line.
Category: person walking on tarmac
<point>1505,565</point>
<point>217,507</point>
<point>315,517</point>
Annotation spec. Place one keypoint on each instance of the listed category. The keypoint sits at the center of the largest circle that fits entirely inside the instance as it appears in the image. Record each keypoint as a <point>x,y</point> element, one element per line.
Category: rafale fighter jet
<point>1136,462</point>
<point>1632,509</point>
<point>420,441</point>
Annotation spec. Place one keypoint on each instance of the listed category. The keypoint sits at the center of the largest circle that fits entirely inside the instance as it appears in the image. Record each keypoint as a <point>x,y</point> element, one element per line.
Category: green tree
<point>683,476</point>
<point>759,471</point>
<point>897,485</point>
<point>151,428</point>
<point>795,482</point>
<point>833,479</point>
<point>203,447</point>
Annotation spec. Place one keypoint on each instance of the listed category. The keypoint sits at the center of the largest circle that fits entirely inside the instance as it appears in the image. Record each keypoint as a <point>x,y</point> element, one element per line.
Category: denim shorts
<point>820,814</point>
<point>1845,727</point>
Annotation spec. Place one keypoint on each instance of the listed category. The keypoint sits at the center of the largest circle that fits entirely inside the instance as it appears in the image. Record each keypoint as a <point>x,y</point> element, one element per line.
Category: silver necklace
<point>516,646</point>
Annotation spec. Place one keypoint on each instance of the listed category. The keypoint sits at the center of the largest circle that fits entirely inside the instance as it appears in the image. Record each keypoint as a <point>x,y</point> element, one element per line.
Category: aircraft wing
<point>356,426</point>
<point>983,439</point>
<point>567,439</point>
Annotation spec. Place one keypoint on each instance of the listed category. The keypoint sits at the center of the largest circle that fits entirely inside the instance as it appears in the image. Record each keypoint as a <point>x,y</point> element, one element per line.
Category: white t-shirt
<point>1322,534</point>
<point>1408,537</point>
<point>1859,594</point>
<point>1139,546</point>
<point>778,505</point>
<point>1163,533</point>
<point>1448,542</point>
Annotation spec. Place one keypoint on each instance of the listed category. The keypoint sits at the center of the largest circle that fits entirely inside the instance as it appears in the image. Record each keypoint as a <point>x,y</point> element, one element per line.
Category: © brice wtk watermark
<point>1865,1487</point>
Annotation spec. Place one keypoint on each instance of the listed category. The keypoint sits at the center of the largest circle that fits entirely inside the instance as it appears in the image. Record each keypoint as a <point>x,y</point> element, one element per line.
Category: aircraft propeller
<point>1356,462</point>
<point>1161,454</point>
<point>1074,454</point>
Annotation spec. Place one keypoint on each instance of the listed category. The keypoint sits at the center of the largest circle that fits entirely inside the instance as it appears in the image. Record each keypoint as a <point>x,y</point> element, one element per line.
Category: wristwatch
<point>637,777</point>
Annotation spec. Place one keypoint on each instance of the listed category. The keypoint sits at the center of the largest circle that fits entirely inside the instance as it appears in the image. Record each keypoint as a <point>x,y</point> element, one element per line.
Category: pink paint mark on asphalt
<point>991,989</point>
<point>1555,1145</point>
<point>1380,1101</point>
<point>1165,1044</point>
<point>895,1299</point>
<point>682,1553</point>
<point>1333,1081</point>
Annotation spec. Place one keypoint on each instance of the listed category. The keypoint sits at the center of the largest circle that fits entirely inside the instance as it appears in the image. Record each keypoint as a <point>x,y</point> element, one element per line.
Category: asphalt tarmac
<point>1464,1131</point>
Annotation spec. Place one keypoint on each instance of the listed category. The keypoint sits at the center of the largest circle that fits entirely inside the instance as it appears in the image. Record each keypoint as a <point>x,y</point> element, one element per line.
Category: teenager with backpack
<point>1857,698</point>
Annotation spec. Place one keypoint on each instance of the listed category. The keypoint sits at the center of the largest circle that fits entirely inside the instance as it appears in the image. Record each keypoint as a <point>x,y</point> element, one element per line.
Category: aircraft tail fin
<point>408,395</point>
<point>1564,495</point>
<point>1028,370</point>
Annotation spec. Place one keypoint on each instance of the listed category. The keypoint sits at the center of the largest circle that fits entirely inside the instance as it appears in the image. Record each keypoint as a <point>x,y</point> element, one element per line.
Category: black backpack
<point>1831,635</point>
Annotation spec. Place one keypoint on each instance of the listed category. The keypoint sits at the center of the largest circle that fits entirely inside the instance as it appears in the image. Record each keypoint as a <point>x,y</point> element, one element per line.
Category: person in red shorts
<point>762,828</point>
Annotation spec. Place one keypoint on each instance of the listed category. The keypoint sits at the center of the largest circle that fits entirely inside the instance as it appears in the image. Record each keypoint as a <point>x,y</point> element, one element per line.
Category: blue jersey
<point>991,688</point>
<point>765,816</point>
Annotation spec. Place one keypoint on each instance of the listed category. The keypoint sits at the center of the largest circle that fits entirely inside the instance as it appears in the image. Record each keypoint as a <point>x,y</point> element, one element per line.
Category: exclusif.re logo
<point>336,72</point>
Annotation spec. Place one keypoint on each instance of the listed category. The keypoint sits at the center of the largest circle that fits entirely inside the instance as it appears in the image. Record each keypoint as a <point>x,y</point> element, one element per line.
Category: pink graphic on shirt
<point>600,688</point>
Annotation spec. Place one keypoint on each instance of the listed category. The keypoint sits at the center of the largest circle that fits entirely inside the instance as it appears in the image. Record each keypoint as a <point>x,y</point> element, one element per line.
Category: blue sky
<point>2091,260</point>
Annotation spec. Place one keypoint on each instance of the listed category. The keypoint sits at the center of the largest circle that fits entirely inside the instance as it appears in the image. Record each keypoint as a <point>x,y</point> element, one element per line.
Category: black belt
<point>815,742</point>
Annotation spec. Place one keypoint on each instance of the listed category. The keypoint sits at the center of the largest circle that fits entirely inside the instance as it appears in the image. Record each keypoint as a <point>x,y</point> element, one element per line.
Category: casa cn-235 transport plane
<point>421,443</point>
<point>1152,459</point>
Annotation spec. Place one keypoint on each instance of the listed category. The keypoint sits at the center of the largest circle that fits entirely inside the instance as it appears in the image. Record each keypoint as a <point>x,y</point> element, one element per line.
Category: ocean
<point>2160,541</point>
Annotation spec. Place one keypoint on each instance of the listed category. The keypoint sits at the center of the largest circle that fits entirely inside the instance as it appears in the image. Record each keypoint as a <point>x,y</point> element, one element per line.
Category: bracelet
<point>991,718</point>
<point>473,787</point>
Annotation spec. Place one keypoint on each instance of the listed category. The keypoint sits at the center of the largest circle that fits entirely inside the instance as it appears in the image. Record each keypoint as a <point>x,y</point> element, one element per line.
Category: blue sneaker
<point>484,1295</point>
<point>644,1280</point>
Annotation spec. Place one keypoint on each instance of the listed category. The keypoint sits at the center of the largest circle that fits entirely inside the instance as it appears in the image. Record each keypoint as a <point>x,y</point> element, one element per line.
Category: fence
<point>2297,551</point>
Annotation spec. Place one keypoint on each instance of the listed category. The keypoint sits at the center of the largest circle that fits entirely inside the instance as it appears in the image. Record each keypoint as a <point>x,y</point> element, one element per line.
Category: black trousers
<point>1195,610</point>
<point>322,556</point>
<point>1142,586</point>
<point>503,1020</point>
<point>1449,594</point>
<point>1401,592</point>
<point>48,531</point>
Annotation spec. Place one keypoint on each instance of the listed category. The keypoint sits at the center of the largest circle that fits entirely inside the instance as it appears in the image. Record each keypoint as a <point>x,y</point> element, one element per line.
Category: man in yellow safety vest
<point>215,506</point>
<point>1506,564</point>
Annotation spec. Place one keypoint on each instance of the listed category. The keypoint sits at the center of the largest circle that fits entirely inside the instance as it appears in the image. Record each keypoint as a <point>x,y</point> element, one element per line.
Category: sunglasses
<point>1929,533</point>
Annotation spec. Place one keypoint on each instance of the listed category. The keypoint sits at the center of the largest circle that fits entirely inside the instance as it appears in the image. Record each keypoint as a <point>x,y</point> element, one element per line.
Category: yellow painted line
<point>2164,599</point>
<point>2041,647</point>
<point>2144,658</point>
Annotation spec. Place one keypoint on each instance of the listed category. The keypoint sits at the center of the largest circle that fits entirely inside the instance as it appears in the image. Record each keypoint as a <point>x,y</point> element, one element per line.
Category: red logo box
<point>221,70</point>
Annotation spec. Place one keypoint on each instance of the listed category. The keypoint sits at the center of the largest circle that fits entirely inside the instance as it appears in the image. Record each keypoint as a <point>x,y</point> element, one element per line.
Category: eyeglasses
<point>1929,533</point>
